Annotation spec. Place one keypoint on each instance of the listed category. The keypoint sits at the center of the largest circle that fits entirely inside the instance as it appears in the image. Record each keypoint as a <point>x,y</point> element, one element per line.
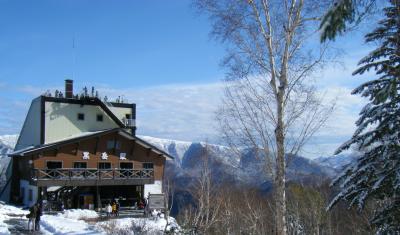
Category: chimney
<point>69,86</point>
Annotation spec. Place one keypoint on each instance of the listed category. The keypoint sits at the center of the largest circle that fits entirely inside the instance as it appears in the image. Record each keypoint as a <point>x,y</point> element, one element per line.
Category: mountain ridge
<point>246,167</point>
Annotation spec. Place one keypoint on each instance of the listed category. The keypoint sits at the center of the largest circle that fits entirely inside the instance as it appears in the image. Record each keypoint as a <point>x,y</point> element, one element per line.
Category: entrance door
<point>86,201</point>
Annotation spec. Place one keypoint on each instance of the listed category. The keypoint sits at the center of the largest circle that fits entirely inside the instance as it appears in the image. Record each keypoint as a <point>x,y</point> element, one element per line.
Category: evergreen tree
<point>342,15</point>
<point>376,174</point>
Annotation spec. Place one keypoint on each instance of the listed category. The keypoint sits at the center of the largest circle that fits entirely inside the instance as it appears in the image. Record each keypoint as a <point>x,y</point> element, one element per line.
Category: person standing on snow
<point>114,209</point>
<point>117,210</point>
<point>108,210</point>
<point>39,213</point>
<point>32,217</point>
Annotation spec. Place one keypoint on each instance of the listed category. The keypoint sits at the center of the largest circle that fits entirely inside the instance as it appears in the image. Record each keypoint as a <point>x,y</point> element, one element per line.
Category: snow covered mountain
<point>182,151</point>
<point>246,167</point>
<point>7,143</point>
<point>226,165</point>
<point>337,162</point>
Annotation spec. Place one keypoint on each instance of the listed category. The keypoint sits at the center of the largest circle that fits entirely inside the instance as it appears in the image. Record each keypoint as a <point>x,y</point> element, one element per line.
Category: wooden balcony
<point>91,177</point>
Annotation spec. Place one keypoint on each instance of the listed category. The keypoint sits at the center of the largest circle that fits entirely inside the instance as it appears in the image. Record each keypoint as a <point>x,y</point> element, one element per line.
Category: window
<point>51,165</point>
<point>126,168</point>
<point>99,117</point>
<point>54,164</point>
<point>104,165</point>
<point>126,165</point>
<point>80,165</point>
<point>148,165</point>
<point>30,197</point>
<point>111,144</point>
<point>81,116</point>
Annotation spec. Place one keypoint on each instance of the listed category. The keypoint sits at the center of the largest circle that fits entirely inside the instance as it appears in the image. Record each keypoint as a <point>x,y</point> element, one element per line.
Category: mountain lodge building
<point>82,152</point>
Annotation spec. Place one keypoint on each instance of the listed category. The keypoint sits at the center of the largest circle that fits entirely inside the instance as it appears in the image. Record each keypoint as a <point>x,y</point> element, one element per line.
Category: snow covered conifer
<point>344,15</point>
<point>334,22</point>
<point>376,175</point>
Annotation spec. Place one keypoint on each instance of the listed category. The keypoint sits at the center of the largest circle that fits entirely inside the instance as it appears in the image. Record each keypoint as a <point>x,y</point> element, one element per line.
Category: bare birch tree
<point>168,200</point>
<point>270,103</point>
<point>206,196</point>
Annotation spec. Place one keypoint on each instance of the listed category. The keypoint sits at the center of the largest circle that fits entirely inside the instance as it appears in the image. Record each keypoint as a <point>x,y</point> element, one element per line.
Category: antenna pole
<point>73,57</point>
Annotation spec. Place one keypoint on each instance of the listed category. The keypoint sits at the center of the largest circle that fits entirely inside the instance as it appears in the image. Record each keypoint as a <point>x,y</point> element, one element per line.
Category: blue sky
<point>141,43</point>
<point>157,53</point>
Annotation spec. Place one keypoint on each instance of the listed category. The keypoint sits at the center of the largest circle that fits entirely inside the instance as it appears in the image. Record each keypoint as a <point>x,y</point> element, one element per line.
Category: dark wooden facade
<point>143,164</point>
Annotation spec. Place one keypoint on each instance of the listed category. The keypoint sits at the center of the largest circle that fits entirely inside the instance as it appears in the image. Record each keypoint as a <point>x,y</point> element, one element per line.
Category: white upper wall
<point>61,120</point>
<point>121,112</point>
<point>30,132</point>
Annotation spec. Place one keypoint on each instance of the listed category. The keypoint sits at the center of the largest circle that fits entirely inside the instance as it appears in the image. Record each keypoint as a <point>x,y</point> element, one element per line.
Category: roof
<point>87,135</point>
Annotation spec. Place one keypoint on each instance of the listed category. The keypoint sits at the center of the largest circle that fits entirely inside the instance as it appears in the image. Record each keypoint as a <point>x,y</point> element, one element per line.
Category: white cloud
<point>341,122</point>
<point>340,125</point>
<point>178,111</point>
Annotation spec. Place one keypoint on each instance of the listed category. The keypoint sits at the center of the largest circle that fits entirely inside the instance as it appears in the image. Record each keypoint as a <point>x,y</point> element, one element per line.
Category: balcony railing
<point>91,174</point>
<point>129,122</point>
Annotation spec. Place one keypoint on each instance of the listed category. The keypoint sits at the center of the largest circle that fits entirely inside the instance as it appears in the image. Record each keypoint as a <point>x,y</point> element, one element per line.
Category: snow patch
<point>154,225</point>
<point>61,225</point>
<point>79,214</point>
<point>7,212</point>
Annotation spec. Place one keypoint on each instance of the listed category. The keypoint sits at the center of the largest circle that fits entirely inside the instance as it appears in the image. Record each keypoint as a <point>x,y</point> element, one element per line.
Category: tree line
<point>207,205</point>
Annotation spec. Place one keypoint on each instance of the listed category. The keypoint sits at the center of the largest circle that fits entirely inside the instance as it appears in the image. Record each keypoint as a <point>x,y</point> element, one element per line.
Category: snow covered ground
<point>79,222</point>
<point>8,212</point>
<point>154,225</point>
